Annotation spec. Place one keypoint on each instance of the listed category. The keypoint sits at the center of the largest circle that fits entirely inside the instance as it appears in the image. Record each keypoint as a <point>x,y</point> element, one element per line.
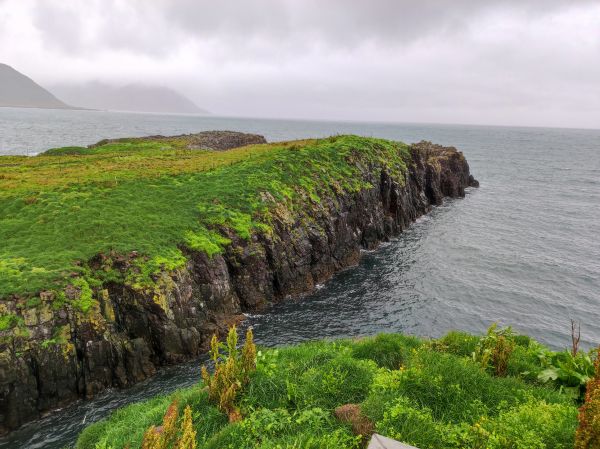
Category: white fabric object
<point>381,442</point>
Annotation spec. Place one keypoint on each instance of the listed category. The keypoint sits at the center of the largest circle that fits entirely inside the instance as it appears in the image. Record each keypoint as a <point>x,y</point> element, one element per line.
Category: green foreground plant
<point>430,394</point>
<point>232,371</point>
<point>494,350</point>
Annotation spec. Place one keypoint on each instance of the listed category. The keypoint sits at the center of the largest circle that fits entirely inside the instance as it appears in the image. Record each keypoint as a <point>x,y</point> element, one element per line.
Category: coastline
<point>199,298</point>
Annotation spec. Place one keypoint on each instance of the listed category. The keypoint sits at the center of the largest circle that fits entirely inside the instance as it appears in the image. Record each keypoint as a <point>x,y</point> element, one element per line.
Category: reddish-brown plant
<point>588,432</point>
<point>162,437</point>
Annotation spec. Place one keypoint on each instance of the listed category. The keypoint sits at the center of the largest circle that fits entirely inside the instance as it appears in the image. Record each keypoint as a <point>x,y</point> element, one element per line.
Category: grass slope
<point>61,208</point>
<point>430,394</point>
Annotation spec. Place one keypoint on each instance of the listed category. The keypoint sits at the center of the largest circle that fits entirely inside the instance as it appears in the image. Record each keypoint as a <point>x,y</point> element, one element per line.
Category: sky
<point>504,62</point>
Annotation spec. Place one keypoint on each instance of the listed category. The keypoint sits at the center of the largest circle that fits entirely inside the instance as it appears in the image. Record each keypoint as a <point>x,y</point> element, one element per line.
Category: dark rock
<point>205,140</point>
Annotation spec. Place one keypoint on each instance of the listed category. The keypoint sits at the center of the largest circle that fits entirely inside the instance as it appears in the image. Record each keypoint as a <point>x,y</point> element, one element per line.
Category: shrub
<point>588,432</point>
<point>494,350</point>
<point>569,372</point>
<point>187,440</point>
<point>169,435</point>
<point>232,371</point>
<point>163,437</point>
<point>523,361</point>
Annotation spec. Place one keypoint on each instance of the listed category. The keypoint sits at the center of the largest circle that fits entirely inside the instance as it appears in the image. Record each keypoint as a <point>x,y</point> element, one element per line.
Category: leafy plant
<point>569,372</point>
<point>232,371</point>
<point>164,436</point>
<point>187,440</point>
<point>169,435</point>
<point>588,432</point>
<point>493,351</point>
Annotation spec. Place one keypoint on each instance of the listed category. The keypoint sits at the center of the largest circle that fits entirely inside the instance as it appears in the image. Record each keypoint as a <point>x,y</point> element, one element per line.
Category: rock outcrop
<point>205,140</point>
<point>130,334</point>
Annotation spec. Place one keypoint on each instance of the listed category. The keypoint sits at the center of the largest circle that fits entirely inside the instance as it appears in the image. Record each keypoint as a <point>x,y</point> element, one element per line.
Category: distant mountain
<point>132,97</point>
<point>17,90</point>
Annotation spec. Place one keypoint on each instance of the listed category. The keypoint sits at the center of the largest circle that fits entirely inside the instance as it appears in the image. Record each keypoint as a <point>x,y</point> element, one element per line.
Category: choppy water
<point>522,250</point>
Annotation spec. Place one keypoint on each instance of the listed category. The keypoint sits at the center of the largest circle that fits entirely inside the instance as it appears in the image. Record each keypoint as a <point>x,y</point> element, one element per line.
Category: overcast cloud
<point>519,62</point>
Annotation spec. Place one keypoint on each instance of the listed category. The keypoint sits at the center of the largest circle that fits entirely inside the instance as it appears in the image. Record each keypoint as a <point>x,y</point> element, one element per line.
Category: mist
<point>530,63</point>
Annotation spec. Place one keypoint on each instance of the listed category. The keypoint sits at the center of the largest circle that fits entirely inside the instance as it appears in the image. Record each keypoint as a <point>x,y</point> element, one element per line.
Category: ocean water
<point>522,250</point>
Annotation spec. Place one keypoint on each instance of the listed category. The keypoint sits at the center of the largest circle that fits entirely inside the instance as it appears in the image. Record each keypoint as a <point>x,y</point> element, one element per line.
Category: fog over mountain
<point>131,97</point>
<point>503,62</point>
<point>18,90</point>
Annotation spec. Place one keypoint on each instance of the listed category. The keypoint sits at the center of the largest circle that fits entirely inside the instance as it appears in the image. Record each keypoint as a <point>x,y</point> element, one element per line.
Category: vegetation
<point>588,432</point>
<point>147,201</point>
<point>494,350</point>
<point>428,393</point>
<point>570,372</point>
<point>232,371</point>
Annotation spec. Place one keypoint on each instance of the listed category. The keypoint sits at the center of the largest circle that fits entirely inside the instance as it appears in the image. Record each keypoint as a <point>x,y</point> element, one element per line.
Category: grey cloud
<point>60,25</point>
<point>428,60</point>
<point>342,22</point>
<point>155,27</point>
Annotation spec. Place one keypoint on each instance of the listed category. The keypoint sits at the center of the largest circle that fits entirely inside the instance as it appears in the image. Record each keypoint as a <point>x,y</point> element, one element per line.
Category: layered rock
<point>130,333</point>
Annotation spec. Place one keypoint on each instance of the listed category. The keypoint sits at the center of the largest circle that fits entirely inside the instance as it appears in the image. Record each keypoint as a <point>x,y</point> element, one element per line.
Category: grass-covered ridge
<point>429,393</point>
<point>60,209</point>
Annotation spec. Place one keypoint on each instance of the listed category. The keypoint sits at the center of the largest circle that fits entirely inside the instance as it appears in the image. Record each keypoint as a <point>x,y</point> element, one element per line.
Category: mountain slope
<point>132,97</point>
<point>18,90</point>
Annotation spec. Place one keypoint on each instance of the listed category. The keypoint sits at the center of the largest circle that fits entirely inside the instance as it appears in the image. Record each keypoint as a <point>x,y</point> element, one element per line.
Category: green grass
<point>424,393</point>
<point>60,209</point>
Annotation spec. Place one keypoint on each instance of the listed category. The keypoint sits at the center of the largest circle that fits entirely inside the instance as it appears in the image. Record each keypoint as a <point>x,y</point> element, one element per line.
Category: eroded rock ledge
<point>135,335</point>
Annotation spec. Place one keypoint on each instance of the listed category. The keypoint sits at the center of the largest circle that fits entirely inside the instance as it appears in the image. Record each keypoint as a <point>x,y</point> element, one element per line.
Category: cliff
<point>265,222</point>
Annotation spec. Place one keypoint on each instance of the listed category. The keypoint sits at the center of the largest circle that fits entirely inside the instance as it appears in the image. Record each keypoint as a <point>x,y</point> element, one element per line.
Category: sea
<point>522,250</point>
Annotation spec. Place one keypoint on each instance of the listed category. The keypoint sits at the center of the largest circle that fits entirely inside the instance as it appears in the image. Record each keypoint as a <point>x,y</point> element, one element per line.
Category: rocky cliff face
<point>130,334</point>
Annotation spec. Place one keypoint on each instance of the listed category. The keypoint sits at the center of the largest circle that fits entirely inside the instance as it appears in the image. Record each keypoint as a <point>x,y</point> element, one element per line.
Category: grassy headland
<point>154,197</point>
<point>128,255</point>
<point>460,391</point>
